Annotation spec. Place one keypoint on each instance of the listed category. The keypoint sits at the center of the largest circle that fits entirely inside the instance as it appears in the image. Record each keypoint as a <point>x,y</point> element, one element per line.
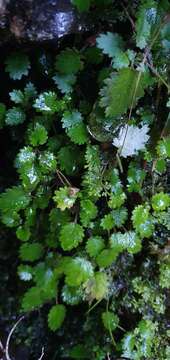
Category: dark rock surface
<point>38,20</point>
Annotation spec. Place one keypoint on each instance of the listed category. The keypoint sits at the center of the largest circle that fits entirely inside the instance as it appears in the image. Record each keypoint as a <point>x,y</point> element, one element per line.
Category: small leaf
<point>160,201</point>
<point>128,241</point>
<point>47,102</point>
<point>25,272</point>
<point>107,223</point>
<point>17,65</point>
<point>71,236</point>
<point>32,299</point>
<point>65,197</point>
<point>31,252</point>
<point>71,295</point>
<point>56,317</point>
<point>78,134</point>
<point>163,148</point>
<point>88,211</point>
<point>16,96</point>
<point>97,287</point>
<point>78,271</point>
<point>160,166</point>
<point>15,116</point>
<point>142,221</point>
<point>110,320</point>
<point>68,62</point>
<point>65,82</point>
<point>111,44</point>
<point>47,162</point>
<point>38,136</point>
<point>23,233</point>
<point>94,245</point>
<point>106,257</point>
<point>14,198</point>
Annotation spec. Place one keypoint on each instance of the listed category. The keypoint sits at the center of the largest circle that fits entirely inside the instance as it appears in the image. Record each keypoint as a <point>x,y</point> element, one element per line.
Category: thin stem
<point>63,179</point>
<point>128,16</point>
<point>159,76</point>
<point>95,304</point>
<point>42,354</point>
<point>9,338</point>
<point>110,331</point>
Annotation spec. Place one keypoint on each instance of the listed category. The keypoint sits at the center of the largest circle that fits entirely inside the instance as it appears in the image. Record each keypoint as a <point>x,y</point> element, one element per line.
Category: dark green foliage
<point>88,211</point>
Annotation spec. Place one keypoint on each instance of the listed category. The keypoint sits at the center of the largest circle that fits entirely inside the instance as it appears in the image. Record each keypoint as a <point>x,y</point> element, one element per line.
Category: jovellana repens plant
<point>90,206</point>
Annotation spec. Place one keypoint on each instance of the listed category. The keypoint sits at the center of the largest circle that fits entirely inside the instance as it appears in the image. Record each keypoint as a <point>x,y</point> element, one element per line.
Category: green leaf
<point>82,5</point>
<point>128,241</point>
<point>65,197</point>
<point>47,162</point>
<point>117,198</point>
<point>122,90</point>
<point>75,128</point>
<point>160,201</point>
<point>106,257</point>
<point>135,179</point>
<point>31,252</point>
<point>88,211</point>
<point>17,65</point>
<point>71,119</point>
<point>15,116</point>
<point>32,299</point>
<point>65,82</point>
<point>94,245</point>
<point>110,320</point>
<point>163,218</point>
<point>16,96</point>
<point>25,157</point>
<point>25,272</point>
<point>68,62</point>
<point>15,199</point>
<point>38,136</point>
<point>142,221</point>
<point>163,148</point>
<point>110,43</point>
<point>160,166</point>
<point>78,134</point>
<point>71,295</point>
<point>71,236</point>
<point>23,233</point>
<point>164,277</point>
<point>119,216</point>
<point>68,159</point>
<point>23,97</point>
<point>78,271</point>
<point>97,287</point>
<point>56,317</point>
<point>93,55</point>
<point>146,17</point>
<point>78,352</point>
<point>47,102</point>
<point>107,223</point>
<point>138,344</point>
<point>93,177</point>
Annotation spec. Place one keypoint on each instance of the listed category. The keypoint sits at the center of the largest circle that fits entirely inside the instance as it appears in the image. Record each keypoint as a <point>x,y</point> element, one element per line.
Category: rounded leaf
<point>110,320</point>
<point>56,317</point>
<point>71,235</point>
